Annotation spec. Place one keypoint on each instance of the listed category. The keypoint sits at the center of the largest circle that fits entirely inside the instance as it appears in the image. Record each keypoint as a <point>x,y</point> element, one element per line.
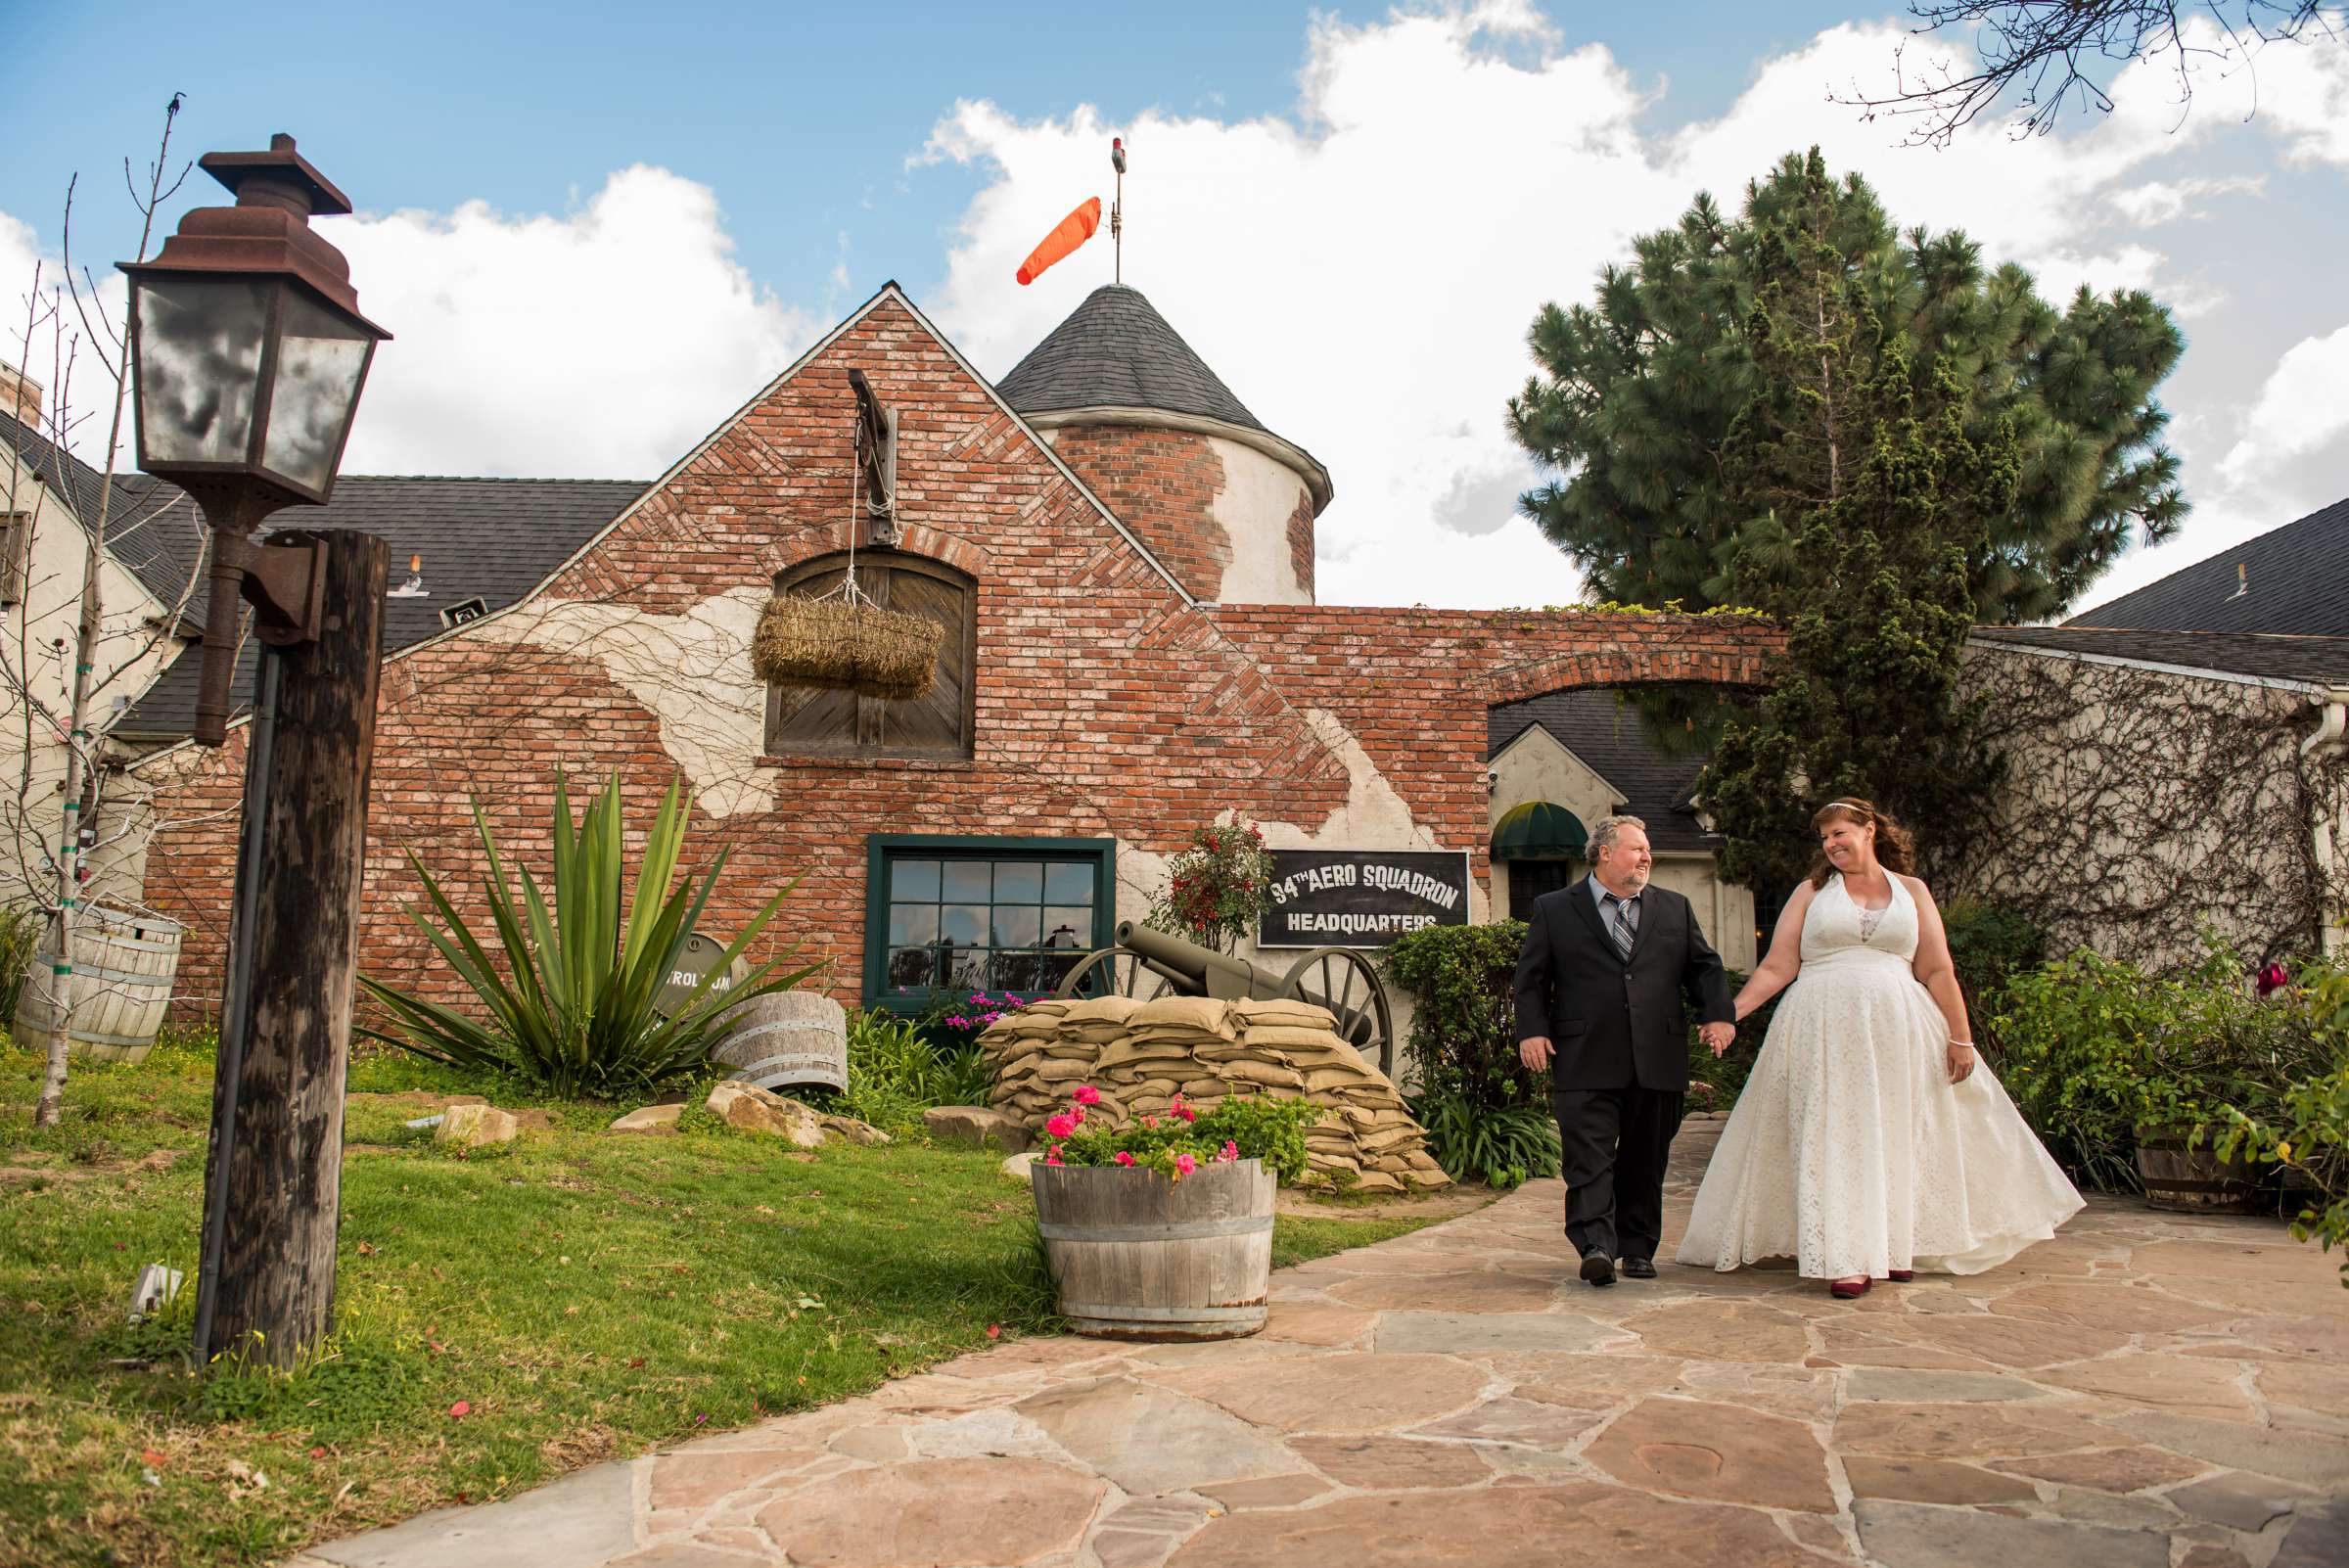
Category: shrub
<point>895,1074</point>
<point>1464,1024</point>
<point>576,1009</point>
<point>2308,1131</point>
<point>21,927</point>
<point>1217,888</point>
<point>2091,1049</point>
<point>1501,1148</point>
<point>1990,942</point>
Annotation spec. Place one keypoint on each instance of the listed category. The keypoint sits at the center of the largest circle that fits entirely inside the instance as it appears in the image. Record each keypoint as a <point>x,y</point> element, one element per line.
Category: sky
<point>595,230</point>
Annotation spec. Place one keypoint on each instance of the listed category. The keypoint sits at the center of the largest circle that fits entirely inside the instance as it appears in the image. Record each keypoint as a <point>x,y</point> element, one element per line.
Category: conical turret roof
<point>1117,351</point>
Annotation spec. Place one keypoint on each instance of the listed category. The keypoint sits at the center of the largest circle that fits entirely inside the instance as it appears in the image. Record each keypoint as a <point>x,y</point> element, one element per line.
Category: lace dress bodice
<point>1837,933</point>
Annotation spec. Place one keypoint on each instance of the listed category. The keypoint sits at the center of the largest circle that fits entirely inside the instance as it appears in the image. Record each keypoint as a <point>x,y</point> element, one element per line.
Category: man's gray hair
<point>1605,831</point>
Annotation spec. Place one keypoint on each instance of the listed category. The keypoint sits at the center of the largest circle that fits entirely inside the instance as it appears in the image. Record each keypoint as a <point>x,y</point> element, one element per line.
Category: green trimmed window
<point>946,913</point>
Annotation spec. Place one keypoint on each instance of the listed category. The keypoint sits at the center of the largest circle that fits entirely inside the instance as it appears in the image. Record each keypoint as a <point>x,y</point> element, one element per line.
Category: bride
<point>1870,1141</point>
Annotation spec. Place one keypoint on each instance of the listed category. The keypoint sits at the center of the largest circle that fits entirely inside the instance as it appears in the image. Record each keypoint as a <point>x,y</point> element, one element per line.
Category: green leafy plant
<point>1217,888</point>
<point>1241,1126</point>
<point>1464,1018</point>
<point>2309,1131</point>
<point>21,927</point>
<point>1501,1148</point>
<point>896,1073</point>
<point>576,1005</point>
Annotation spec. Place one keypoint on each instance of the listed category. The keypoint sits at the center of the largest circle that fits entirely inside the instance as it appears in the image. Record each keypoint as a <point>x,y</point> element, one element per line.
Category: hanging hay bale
<point>848,645</point>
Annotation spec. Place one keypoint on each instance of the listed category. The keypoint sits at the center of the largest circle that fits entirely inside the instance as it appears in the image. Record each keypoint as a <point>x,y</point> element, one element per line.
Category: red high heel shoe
<point>1900,1276</point>
<point>1845,1290</point>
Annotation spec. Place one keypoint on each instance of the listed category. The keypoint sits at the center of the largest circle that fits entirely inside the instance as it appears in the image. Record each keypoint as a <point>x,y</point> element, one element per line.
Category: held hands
<point>1720,1036</point>
<point>1962,1061</point>
<point>1534,1053</point>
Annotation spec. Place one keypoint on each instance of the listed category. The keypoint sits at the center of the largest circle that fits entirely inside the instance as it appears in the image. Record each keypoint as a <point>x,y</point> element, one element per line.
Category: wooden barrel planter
<point>787,1038</point>
<point>2193,1180</point>
<point>1135,1255</point>
<point>124,966</point>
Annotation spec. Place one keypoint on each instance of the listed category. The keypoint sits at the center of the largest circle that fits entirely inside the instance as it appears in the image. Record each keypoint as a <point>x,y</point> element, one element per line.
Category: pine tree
<point>1680,454</point>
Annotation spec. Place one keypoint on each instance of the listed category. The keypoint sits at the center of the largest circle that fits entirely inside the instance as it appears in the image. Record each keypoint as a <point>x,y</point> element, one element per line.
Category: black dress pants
<point>1615,1143</point>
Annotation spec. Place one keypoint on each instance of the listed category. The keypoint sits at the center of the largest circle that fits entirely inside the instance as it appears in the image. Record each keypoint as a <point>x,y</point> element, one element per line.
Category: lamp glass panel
<point>319,366</point>
<point>199,366</point>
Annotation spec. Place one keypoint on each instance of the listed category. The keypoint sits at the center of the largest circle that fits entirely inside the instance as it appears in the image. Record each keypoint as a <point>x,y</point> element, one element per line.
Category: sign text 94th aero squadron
<point>1361,898</point>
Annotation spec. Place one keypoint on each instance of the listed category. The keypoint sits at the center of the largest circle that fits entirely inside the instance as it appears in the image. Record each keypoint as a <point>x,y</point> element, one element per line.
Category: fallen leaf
<point>366,1248</point>
<point>635,1360</point>
<point>152,1456</point>
<point>317,1454</point>
<point>995,1330</point>
<point>460,1409</point>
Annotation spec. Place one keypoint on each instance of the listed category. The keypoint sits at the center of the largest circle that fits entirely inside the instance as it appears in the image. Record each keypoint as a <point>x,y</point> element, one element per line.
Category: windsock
<point>1066,236</point>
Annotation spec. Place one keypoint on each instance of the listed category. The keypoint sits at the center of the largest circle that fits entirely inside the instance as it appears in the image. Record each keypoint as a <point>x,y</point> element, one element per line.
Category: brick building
<point>1122,556</point>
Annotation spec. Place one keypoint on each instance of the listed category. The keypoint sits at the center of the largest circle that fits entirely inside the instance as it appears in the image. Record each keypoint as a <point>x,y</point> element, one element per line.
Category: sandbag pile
<point>1140,1055</point>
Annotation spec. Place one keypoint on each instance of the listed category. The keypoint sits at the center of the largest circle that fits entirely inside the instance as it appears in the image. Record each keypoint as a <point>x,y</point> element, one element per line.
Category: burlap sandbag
<point>1284,1010</point>
<point>1101,1009</point>
<point>1277,1036</point>
<point>1206,1014</point>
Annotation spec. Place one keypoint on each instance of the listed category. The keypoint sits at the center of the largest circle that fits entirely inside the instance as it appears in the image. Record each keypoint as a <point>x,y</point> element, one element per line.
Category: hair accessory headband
<point>1849,805</point>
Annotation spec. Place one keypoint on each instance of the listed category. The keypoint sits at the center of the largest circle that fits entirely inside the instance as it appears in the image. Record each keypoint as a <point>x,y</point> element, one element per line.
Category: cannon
<point>1147,963</point>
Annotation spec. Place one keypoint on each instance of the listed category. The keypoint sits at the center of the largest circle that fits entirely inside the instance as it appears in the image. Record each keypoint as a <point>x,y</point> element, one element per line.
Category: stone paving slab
<point>2147,1389</point>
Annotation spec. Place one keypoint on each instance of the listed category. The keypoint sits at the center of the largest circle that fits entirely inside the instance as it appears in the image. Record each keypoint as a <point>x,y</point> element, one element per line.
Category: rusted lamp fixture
<point>248,351</point>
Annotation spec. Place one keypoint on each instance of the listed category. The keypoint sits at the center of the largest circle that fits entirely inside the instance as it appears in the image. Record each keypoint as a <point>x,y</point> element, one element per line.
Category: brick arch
<point>1735,663</point>
<point>816,540</point>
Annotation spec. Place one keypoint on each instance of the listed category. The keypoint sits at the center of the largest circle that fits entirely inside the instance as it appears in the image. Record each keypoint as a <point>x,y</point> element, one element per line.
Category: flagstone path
<point>2145,1390</point>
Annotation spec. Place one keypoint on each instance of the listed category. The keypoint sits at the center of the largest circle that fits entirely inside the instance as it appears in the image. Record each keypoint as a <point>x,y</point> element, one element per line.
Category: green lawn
<point>582,1297</point>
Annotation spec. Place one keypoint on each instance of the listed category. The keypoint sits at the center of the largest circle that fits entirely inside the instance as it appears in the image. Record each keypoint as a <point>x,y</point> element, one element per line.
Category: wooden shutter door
<point>811,719</point>
<point>937,722</point>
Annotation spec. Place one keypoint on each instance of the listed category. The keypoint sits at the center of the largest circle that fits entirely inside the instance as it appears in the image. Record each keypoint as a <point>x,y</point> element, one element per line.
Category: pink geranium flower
<point>1149,1120</point>
<point>1077,1116</point>
<point>1124,1158</point>
<point>1060,1126</point>
<point>1053,1158</point>
<point>1184,1163</point>
<point>1184,1111</point>
<point>1229,1152</point>
<point>2273,979</point>
<point>1086,1094</point>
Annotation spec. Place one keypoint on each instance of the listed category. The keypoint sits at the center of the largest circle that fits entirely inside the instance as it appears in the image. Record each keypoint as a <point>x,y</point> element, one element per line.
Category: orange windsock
<point>1066,236</point>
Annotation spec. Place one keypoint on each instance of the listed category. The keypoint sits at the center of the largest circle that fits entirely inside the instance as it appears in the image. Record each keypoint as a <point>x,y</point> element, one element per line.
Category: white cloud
<point>2303,408</point>
<point>2164,200</point>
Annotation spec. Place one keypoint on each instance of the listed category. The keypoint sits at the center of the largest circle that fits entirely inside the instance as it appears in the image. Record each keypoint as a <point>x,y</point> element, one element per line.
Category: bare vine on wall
<point>2140,808</point>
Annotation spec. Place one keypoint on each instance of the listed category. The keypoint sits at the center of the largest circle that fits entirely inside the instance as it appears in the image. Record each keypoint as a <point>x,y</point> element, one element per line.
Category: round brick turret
<point>1227,505</point>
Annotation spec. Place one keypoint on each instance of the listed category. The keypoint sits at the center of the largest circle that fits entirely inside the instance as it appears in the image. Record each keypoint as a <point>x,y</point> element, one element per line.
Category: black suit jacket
<point>1615,1023</point>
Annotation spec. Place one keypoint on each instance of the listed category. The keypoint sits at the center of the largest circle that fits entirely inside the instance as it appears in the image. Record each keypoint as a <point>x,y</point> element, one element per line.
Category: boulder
<point>476,1127</point>
<point>756,1110</point>
<point>1017,1167</point>
<point>649,1119</point>
<point>978,1127</point>
<point>855,1132</point>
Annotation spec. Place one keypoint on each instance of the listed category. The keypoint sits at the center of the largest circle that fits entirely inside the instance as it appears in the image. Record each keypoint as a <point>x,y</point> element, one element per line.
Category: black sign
<point>1361,898</point>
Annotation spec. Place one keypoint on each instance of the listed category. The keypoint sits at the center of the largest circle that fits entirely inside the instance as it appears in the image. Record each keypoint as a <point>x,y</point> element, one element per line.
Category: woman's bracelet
<point>1967,1043</point>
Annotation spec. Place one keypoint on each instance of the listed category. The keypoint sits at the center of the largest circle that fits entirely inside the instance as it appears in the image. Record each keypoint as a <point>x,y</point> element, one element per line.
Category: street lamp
<point>249,352</point>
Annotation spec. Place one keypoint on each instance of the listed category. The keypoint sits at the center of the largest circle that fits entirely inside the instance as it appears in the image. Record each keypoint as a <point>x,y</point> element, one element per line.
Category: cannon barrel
<point>1211,973</point>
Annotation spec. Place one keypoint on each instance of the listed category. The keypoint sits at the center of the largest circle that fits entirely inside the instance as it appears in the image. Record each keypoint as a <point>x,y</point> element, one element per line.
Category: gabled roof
<point>2295,578</point>
<point>492,539</point>
<point>2253,656</point>
<point>1117,351</point>
<point>1605,730</point>
<point>156,541</point>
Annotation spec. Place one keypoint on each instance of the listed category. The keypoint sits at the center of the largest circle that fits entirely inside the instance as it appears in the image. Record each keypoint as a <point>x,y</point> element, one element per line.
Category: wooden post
<point>274,1176</point>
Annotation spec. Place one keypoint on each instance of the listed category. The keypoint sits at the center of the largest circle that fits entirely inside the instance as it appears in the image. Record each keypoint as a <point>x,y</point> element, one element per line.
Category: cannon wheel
<point>1344,982</point>
<point>1115,972</point>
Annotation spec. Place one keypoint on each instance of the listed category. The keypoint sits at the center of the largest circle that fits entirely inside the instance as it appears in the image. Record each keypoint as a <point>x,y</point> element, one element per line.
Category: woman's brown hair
<point>1896,850</point>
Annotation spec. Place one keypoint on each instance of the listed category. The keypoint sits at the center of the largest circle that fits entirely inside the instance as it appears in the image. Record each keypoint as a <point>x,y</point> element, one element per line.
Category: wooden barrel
<point>1135,1255</point>
<point>124,965</point>
<point>786,1037</point>
<point>2193,1180</point>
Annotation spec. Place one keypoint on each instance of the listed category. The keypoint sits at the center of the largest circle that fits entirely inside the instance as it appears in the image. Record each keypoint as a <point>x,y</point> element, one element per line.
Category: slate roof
<point>1608,734</point>
<point>2269,655</point>
<point>496,539</point>
<point>158,542</point>
<point>2298,576</point>
<point>1117,351</point>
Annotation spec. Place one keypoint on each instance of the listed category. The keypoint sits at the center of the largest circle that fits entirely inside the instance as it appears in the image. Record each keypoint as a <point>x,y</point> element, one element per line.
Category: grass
<point>583,1295</point>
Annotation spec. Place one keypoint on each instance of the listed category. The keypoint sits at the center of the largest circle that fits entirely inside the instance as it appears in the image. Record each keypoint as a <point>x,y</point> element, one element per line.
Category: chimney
<point>20,396</point>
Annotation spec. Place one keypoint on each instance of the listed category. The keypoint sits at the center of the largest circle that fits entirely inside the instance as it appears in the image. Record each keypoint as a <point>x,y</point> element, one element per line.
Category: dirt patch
<point>1445,1203</point>
<point>421,1102</point>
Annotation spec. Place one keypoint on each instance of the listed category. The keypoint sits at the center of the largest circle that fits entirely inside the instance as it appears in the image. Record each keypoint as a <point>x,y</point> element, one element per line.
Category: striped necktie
<point>1620,928</point>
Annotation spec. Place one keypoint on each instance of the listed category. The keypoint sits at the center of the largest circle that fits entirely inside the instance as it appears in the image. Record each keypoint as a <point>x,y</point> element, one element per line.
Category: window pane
<point>913,881</point>
<point>1016,926</point>
<point>911,968</point>
<point>969,972</point>
<point>963,924</point>
<point>969,880</point>
<point>1069,882</point>
<point>1019,882</point>
<point>909,923</point>
<point>1028,973</point>
<point>1074,919</point>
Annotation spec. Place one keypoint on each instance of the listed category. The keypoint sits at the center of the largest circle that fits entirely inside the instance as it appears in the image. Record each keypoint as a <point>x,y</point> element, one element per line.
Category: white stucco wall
<point>1259,497</point>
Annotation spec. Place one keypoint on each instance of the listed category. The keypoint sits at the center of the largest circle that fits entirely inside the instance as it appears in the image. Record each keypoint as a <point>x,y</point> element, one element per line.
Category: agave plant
<point>573,1005</point>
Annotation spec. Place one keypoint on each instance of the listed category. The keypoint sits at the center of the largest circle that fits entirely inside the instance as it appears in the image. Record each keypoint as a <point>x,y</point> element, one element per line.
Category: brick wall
<point>1106,705</point>
<point>1301,544</point>
<point>1163,485</point>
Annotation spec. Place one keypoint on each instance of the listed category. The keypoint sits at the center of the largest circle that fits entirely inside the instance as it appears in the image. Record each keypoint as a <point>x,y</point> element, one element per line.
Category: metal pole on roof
<point>1117,211</point>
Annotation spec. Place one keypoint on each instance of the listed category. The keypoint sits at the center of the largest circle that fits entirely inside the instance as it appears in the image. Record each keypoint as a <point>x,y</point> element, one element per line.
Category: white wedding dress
<point>1849,1150</point>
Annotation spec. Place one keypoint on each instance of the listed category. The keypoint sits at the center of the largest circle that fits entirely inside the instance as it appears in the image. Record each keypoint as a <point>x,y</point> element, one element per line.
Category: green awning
<point>1538,831</point>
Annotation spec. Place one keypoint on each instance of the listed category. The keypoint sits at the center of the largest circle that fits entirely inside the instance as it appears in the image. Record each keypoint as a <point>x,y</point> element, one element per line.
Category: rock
<point>1903,1535</point>
<point>1009,1511</point>
<point>855,1132</point>
<point>1722,1331</point>
<point>648,1118</point>
<point>1152,1441</point>
<point>751,1109</point>
<point>1343,1393</point>
<point>978,1127</point>
<point>1376,1463</point>
<point>1943,1481</point>
<point>1017,1166</point>
<point>475,1127</point>
<point>1719,1453</point>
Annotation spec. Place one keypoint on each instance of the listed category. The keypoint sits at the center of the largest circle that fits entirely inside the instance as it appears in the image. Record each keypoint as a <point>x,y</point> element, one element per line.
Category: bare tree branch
<point>2055,52</point>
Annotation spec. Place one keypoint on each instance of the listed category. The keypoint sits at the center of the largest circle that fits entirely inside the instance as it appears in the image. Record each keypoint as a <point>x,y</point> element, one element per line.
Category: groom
<point>1599,985</point>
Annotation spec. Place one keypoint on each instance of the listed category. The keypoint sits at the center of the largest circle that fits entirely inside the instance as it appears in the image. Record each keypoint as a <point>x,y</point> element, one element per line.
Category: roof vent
<point>2242,578</point>
<point>453,615</point>
<point>414,587</point>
